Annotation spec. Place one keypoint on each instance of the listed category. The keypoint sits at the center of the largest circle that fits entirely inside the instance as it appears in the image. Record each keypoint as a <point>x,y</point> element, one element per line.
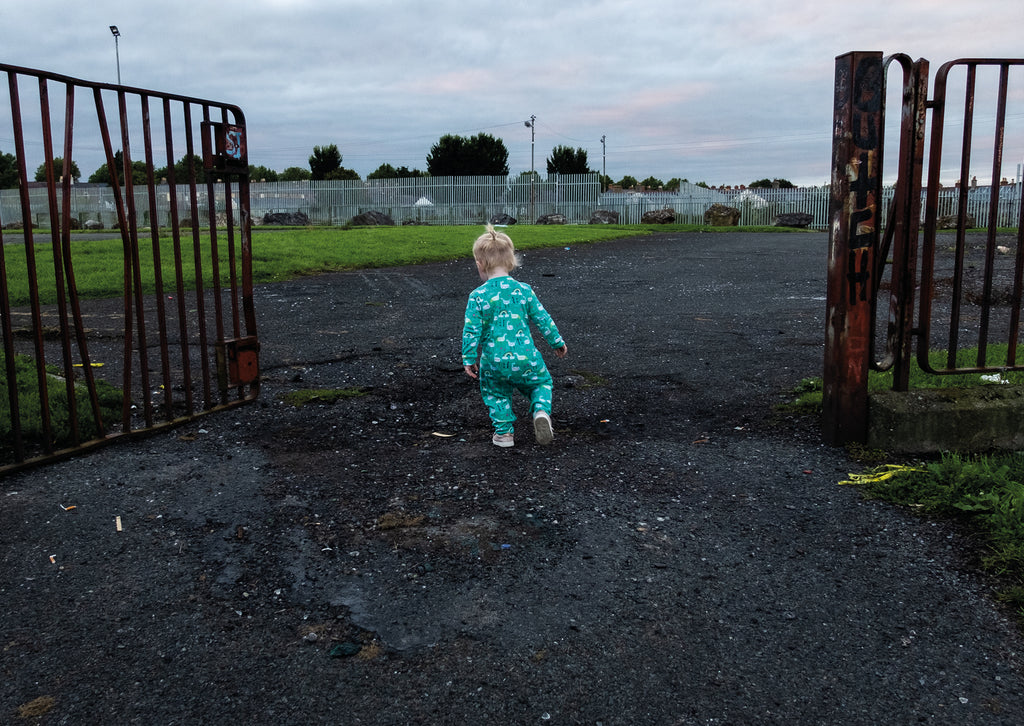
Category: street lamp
<point>117,53</point>
<point>604,169</point>
<point>532,125</point>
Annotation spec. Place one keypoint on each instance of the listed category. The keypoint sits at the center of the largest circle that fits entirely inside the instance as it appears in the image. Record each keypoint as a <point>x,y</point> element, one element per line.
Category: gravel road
<point>681,554</point>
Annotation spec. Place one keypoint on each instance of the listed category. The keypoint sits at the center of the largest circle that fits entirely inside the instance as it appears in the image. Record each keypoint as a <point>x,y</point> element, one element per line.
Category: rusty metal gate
<point>91,355</point>
<point>942,290</point>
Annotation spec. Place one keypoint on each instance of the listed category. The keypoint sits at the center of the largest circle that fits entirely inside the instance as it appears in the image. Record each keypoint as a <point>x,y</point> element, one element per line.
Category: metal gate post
<point>853,242</point>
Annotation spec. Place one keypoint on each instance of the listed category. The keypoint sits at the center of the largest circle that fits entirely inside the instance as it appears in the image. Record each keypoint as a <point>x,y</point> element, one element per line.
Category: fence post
<point>854,212</point>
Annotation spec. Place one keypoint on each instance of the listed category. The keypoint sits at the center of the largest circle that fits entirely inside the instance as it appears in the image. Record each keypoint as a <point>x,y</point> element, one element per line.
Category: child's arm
<point>471,331</point>
<point>546,325</point>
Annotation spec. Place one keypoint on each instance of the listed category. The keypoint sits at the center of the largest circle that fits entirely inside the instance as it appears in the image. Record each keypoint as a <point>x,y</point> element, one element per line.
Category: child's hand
<point>561,352</point>
<point>471,370</point>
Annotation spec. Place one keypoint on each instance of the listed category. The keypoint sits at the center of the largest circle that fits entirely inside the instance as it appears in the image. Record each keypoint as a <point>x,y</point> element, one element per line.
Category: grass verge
<point>282,254</point>
<point>984,493</point>
<point>30,408</point>
<point>808,392</point>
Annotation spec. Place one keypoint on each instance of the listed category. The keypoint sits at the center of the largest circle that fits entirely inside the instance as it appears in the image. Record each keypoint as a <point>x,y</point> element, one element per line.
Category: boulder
<point>604,216</point>
<point>93,224</point>
<point>288,219</point>
<point>948,221</point>
<point>658,216</point>
<point>504,219</point>
<point>554,218</point>
<point>372,218</point>
<point>720,215</point>
<point>801,220</point>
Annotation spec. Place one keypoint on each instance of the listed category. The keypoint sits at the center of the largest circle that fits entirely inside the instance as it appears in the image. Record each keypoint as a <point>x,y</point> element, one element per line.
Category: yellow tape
<point>882,473</point>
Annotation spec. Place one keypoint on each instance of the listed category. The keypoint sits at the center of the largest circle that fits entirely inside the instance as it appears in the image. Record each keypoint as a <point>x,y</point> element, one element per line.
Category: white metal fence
<point>475,200</point>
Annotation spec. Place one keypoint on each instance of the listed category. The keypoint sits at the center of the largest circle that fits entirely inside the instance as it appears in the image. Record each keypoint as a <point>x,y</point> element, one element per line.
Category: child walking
<point>497,346</point>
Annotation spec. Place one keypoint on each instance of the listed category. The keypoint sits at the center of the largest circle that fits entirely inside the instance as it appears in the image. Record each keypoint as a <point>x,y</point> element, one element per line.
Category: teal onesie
<point>497,334</point>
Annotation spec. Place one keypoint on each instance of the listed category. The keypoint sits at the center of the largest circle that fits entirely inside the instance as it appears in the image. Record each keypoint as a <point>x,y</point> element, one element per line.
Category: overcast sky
<point>722,91</point>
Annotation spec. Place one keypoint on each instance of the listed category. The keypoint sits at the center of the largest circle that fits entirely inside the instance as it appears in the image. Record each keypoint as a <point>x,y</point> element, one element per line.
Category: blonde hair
<point>494,249</point>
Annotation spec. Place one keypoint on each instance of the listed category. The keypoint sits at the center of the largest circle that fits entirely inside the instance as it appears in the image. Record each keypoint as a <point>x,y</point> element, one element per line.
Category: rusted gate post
<point>853,242</point>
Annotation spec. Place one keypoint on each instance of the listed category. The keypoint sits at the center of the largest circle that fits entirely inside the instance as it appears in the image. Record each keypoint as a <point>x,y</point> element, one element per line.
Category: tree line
<point>452,155</point>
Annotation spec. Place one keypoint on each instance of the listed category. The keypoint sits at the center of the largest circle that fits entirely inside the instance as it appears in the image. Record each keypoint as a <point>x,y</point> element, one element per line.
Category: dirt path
<point>680,555</point>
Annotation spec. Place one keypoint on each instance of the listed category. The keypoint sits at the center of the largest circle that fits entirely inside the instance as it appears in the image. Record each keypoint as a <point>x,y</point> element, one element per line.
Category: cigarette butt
<point>53,559</point>
<point>117,522</point>
<point>67,509</point>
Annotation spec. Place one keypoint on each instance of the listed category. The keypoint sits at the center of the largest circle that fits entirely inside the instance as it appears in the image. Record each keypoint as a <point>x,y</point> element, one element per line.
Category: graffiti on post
<point>864,181</point>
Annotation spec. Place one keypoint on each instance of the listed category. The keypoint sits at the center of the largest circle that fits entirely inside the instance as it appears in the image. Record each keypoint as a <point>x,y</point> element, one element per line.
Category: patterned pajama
<point>496,334</point>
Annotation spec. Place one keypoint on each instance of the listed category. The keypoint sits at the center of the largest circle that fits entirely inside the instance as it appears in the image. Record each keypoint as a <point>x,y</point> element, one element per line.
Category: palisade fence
<point>476,200</point>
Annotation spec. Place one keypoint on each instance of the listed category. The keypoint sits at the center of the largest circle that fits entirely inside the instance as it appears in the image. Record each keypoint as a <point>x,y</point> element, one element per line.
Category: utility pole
<point>117,53</point>
<point>532,125</point>
<point>604,169</point>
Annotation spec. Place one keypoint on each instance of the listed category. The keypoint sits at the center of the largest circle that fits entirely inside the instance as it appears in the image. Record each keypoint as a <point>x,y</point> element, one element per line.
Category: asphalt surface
<point>681,554</point>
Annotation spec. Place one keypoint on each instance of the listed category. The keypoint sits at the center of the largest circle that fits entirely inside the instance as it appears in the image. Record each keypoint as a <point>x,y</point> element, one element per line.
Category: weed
<point>984,492</point>
<point>30,407</point>
<point>590,379</point>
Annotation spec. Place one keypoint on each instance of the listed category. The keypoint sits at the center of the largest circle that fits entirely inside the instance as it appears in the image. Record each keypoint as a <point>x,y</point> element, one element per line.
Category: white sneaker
<point>503,440</point>
<point>542,428</point>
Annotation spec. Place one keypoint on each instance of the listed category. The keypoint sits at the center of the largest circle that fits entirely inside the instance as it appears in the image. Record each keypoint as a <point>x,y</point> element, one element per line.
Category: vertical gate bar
<point>905,222</point>
<point>10,370</point>
<point>69,271</point>
<point>158,276</point>
<point>938,106</point>
<point>123,227</point>
<point>956,303</point>
<point>993,214</point>
<point>232,269</point>
<point>218,303</point>
<point>853,242</point>
<point>135,287</point>
<point>197,257</point>
<point>60,235</point>
<point>1018,280</point>
<point>30,263</point>
<point>179,280</point>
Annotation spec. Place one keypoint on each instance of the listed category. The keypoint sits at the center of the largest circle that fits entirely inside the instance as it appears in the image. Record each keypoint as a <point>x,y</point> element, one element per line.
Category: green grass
<point>985,493</point>
<point>808,393</point>
<point>30,409</point>
<point>282,254</point>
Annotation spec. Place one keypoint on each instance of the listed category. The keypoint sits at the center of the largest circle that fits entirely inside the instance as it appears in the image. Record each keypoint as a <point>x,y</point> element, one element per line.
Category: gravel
<point>681,554</point>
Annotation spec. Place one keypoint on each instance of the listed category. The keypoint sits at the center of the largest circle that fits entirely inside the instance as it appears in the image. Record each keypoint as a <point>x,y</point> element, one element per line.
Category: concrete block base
<point>969,420</point>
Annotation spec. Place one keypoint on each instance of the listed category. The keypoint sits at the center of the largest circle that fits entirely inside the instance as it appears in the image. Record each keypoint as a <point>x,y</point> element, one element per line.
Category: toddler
<point>497,346</point>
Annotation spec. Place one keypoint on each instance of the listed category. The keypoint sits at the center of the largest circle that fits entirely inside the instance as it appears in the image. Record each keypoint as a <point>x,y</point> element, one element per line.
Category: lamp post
<point>532,125</point>
<point>117,53</point>
<point>604,168</point>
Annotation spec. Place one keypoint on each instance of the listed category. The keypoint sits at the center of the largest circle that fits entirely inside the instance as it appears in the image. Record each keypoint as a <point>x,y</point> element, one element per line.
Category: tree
<point>341,174</point>
<point>324,160</point>
<point>652,183</point>
<point>261,174</point>
<point>295,173</point>
<point>102,175</point>
<point>675,183</point>
<point>58,170</point>
<point>772,184</point>
<point>386,171</point>
<point>183,170</point>
<point>480,155</point>
<point>565,160</point>
<point>9,177</point>
<point>628,181</point>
